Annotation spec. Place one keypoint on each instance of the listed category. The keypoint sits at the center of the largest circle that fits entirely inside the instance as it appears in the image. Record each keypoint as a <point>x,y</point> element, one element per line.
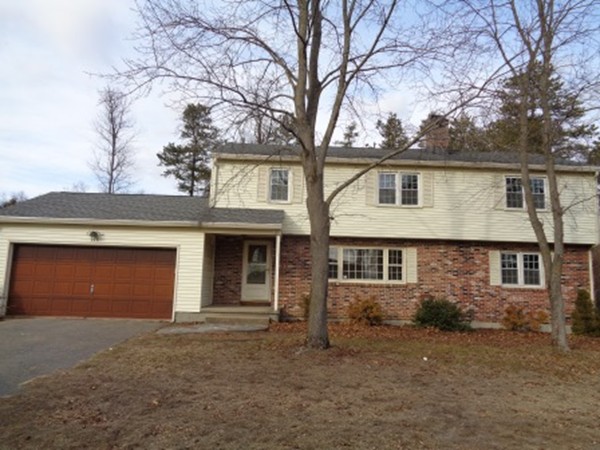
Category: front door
<point>256,281</point>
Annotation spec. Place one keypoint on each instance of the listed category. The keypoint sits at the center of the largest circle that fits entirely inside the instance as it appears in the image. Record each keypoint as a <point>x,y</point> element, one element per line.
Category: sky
<point>51,52</point>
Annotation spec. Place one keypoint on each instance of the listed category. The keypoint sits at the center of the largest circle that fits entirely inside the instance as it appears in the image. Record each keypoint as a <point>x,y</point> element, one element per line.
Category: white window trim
<point>385,280</point>
<point>521,271</point>
<point>524,207</point>
<point>398,176</point>
<point>290,186</point>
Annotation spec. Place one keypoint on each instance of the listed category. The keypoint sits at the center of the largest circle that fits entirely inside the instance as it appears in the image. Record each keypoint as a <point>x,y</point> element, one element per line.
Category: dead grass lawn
<point>372,390</point>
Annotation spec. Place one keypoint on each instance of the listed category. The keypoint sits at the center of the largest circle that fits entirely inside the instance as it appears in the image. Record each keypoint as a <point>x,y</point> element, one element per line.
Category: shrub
<point>586,318</point>
<point>365,311</point>
<point>516,319</point>
<point>441,314</point>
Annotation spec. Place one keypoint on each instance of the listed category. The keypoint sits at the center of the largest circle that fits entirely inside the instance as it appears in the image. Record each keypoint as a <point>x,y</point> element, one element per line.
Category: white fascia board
<point>98,222</point>
<point>413,163</point>
<point>243,226</point>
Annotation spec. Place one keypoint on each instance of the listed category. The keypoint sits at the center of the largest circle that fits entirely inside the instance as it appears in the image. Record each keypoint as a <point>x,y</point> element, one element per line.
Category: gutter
<point>404,162</point>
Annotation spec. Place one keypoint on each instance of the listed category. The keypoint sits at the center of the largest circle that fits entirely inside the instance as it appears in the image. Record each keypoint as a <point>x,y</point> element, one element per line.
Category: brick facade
<point>458,271</point>
<point>227,288</point>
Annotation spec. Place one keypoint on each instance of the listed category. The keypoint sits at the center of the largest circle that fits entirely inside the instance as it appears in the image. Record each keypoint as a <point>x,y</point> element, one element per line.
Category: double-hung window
<point>397,188</point>
<point>366,264</point>
<point>515,196</point>
<point>521,269</point>
<point>279,185</point>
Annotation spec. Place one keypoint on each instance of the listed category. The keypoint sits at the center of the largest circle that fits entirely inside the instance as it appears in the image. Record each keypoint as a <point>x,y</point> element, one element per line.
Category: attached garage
<point>92,281</point>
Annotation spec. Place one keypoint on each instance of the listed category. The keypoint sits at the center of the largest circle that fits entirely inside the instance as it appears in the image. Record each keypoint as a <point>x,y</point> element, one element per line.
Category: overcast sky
<point>49,100</point>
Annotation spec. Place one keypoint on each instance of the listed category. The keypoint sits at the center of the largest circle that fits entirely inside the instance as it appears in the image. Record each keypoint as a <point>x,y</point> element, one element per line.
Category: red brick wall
<point>227,289</point>
<point>458,271</point>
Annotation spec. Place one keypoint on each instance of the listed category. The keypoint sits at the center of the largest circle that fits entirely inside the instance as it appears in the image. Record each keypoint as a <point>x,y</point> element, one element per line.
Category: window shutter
<point>495,278</point>
<point>427,180</point>
<point>371,188</point>
<point>498,191</point>
<point>297,185</point>
<point>410,260</point>
<point>263,184</point>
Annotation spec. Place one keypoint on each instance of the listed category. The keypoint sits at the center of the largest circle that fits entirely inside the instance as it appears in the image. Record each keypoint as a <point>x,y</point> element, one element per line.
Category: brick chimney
<point>438,138</point>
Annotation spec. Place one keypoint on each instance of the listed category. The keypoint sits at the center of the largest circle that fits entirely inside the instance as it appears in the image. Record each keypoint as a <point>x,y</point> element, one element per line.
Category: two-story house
<point>426,223</point>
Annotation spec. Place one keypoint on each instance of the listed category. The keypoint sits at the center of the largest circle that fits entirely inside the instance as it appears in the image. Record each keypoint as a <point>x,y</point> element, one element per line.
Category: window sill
<point>524,210</point>
<point>386,205</point>
<point>523,286</point>
<point>366,282</point>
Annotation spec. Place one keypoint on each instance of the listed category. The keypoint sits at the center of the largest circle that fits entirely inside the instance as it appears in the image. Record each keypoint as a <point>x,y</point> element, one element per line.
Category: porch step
<point>254,315</point>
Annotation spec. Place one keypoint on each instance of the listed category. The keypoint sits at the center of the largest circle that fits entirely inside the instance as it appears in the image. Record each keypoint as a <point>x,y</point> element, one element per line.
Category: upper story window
<point>398,189</point>
<point>521,269</point>
<point>515,195</point>
<point>279,185</point>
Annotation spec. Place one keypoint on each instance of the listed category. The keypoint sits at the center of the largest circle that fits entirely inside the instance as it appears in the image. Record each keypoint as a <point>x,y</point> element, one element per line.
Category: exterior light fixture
<point>95,236</point>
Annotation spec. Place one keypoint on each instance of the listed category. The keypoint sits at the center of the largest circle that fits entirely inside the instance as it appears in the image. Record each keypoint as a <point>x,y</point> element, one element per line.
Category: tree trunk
<point>318,213</point>
<point>557,308</point>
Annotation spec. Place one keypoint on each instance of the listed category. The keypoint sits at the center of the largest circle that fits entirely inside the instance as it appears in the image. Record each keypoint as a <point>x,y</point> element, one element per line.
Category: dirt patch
<point>381,388</point>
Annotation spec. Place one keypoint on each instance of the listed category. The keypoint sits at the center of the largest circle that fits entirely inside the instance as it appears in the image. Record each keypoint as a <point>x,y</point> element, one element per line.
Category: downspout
<point>277,260</point>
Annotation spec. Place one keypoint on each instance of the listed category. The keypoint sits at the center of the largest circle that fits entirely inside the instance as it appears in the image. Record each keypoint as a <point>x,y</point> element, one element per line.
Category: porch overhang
<point>241,220</point>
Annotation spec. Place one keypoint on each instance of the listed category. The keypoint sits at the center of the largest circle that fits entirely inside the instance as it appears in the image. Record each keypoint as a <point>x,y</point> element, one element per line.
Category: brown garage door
<point>91,282</point>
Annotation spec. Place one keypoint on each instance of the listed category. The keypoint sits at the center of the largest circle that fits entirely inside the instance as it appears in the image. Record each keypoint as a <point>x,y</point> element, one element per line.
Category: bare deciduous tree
<point>532,37</point>
<point>298,63</point>
<point>112,162</point>
<point>7,200</point>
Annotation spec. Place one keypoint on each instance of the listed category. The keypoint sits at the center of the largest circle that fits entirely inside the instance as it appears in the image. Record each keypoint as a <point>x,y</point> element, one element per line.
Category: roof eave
<point>97,222</point>
<point>243,226</point>
<point>409,162</point>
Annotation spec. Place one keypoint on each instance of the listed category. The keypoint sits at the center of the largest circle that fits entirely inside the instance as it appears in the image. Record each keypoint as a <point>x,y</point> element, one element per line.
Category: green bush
<point>586,318</point>
<point>365,311</point>
<point>441,314</point>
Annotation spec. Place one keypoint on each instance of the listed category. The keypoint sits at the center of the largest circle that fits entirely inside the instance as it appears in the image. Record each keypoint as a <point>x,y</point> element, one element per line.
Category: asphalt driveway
<point>31,347</point>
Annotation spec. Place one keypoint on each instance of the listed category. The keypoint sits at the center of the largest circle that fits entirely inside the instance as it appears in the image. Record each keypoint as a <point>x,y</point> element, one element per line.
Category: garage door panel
<point>64,288</point>
<point>122,289</point>
<point>64,270</point>
<point>45,270</point>
<point>80,306</point>
<point>143,273</point>
<point>56,280</point>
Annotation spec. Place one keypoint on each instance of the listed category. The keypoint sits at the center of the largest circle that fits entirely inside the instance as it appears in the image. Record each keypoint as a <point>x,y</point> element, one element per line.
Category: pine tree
<point>350,135</point>
<point>467,136</point>
<point>189,163</point>
<point>392,132</point>
<point>569,129</point>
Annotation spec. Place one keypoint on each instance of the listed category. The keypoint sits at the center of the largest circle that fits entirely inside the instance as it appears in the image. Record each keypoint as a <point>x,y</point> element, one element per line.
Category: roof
<point>372,154</point>
<point>142,208</point>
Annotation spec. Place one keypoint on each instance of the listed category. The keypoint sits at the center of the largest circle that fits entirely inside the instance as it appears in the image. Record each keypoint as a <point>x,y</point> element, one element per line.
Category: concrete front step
<point>239,315</point>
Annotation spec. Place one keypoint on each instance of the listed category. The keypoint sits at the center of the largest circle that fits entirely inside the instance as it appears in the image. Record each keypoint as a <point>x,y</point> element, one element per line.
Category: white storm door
<point>256,278</point>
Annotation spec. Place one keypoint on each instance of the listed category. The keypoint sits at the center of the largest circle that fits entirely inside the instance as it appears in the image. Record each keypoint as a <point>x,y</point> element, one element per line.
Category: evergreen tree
<point>189,163</point>
<point>392,132</point>
<point>569,131</point>
<point>350,135</point>
<point>466,135</point>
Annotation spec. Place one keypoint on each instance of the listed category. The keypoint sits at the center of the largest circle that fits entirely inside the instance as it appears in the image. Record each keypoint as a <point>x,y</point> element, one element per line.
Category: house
<point>426,223</point>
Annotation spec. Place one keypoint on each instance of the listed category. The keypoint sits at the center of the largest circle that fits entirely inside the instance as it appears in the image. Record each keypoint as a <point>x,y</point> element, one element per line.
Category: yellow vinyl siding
<point>457,204</point>
<point>189,244</point>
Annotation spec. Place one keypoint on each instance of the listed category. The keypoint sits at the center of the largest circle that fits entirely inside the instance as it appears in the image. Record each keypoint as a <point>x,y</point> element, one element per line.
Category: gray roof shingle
<point>152,208</point>
<point>371,153</point>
